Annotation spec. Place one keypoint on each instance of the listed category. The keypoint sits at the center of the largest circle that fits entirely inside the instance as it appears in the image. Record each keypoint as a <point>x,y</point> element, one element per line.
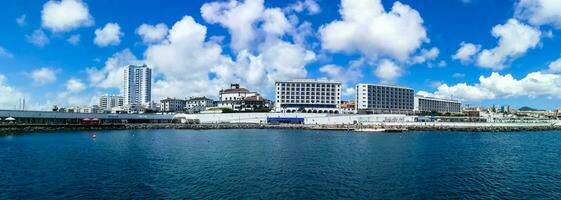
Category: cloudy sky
<point>69,52</point>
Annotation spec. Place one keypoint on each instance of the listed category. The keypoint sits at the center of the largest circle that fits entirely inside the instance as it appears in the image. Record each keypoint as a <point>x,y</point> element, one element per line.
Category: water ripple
<point>280,164</point>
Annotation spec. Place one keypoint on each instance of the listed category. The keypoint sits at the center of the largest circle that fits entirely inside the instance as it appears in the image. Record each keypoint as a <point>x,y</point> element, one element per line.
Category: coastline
<point>448,127</point>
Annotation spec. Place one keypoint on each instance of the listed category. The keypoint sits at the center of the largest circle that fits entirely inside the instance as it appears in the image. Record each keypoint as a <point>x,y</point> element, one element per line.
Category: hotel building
<point>430,104</point>
<point>310,96</point>
<point>384,99</point>
<point>138,87</point>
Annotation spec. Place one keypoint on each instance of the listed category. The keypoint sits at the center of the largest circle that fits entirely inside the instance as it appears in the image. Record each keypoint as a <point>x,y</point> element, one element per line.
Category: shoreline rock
<point>23,129</point>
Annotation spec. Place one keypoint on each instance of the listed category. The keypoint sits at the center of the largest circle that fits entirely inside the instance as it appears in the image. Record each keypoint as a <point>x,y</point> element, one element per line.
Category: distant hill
<point>526,108</point>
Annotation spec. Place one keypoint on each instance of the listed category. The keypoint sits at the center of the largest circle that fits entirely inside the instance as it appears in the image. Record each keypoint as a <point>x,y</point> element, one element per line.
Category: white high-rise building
<point>108,102</point>
<point>138,87</point>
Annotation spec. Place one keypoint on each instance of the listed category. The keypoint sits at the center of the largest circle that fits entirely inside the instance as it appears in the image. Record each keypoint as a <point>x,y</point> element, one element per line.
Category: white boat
<point>370,130</point>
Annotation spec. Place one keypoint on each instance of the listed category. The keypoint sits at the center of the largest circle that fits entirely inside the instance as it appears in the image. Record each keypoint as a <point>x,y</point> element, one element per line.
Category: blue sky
<point>70,52</point>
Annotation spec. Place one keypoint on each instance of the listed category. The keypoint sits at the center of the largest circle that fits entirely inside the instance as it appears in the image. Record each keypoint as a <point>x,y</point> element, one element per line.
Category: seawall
<point>468,127</point>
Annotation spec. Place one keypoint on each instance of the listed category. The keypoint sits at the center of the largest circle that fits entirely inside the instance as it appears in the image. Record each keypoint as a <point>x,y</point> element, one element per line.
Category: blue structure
<point>285,120</point>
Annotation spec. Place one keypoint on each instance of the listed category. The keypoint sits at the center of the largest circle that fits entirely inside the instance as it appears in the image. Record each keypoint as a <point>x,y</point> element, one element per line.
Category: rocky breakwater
<point>10,129</point>
<point>214,126</point>
<point>498,128</point>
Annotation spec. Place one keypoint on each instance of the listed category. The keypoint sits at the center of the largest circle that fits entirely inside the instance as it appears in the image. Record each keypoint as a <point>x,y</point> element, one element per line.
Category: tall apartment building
<point>384,99</point>
<point>430,104</point>
<point>138,87</point>
<point>311,96</point>
<point>108,102</point>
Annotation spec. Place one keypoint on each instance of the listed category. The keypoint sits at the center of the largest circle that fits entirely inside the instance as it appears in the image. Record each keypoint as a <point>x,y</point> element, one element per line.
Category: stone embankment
<point>23,128</point>
<point>30,128</point>
<point>484,128</point>
<point>27,128</point>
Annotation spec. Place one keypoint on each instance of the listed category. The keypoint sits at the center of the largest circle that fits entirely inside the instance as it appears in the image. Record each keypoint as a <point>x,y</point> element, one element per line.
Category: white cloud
<point>238,18</point>
<point>303,33</point>
<point>540,12</point>
<point>74,85</point>
<point>250,24</point>
<point>367,28</point>
<point>458,75</point>
<point>555,66</point>
<point>111,75</point>
<point>5,53</point>
<point>65,15</point>
<point>307,5</point>
<point>187,58</point>
<point>426,55</point>
<point>74,39</point>
<point>38,38</point>
<point>515,39</point>
<point>278,60</point>
<point>10,96</point>
<point>43,76</point>
<point>348,76</point>
<point>70,99</point>
<point>388,71</point>
<point>535,84</point>
<point>110,34</point>
<point>275,22</point>
<point>442,63</point>
<point>21,21</point>
<point>467,52</point>
<point>152,34</point>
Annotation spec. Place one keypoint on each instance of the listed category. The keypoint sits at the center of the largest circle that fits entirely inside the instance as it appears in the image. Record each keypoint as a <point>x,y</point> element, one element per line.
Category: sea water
<point>280,164</point>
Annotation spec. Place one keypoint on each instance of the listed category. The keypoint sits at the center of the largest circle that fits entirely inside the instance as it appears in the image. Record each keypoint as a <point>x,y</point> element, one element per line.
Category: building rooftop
<point>386,85</point>
<point>200,98</point>
<point>138,66</point>
<point>438,99</point>
<point>234,88</point>
<point>255,98</point>
<point>309,81</point>
<point>172,99</point>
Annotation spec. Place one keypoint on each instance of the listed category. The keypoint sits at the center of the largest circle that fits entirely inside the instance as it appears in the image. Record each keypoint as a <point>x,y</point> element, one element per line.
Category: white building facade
<point>430,104</point>
<point>384,99</point>
<point>172,105</point>
<point>241,99</point>
<point>137,87</point>
<point>310,96</point>
<point>198,104</point>
<point>108,102</point>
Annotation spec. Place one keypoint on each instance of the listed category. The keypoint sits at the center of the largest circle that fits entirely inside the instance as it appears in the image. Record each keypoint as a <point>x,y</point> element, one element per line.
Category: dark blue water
<point>280,164</point>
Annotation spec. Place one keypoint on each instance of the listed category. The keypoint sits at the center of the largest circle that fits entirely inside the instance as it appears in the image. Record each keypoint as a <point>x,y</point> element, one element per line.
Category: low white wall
<point>309,118</point>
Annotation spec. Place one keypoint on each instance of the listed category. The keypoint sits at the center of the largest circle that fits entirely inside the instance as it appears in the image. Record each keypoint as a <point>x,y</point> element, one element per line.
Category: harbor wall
<point>440,127</point>
<point>309,118</point>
